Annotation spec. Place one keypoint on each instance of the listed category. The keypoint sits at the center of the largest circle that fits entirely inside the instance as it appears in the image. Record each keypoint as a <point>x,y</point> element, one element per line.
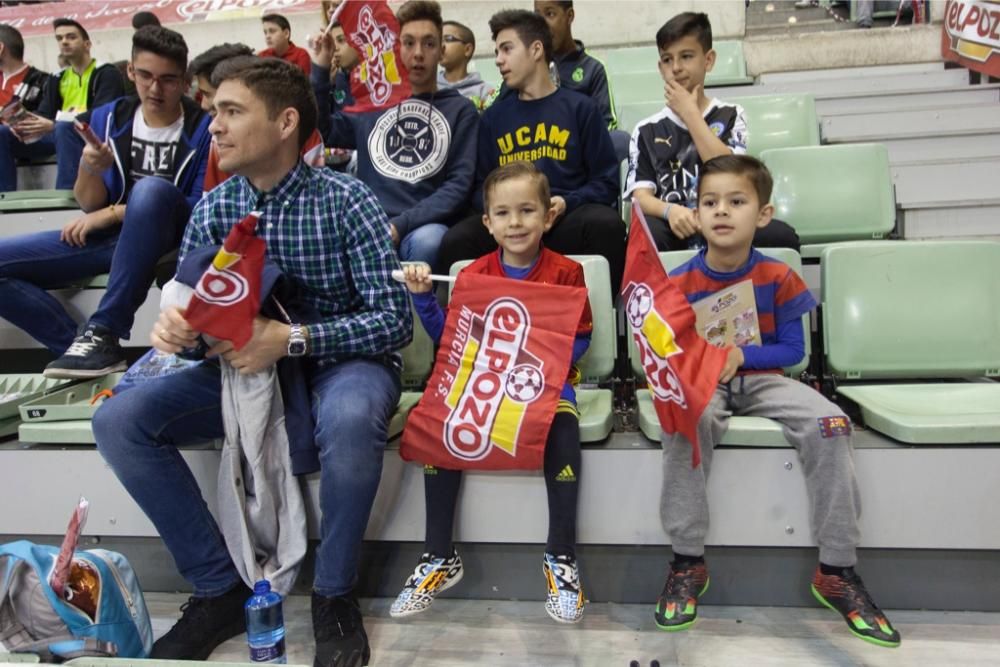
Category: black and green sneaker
<point>677,607</point>
<point>846,595</point>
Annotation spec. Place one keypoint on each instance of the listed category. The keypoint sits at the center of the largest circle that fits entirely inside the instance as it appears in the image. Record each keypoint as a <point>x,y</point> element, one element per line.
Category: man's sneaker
<point>677,607</point>
<point>204,624</point>
<point>340,635</point>
<point>847,596</point>
<point>94,353</point>
<point>432,575</point>
<point>564,601</point>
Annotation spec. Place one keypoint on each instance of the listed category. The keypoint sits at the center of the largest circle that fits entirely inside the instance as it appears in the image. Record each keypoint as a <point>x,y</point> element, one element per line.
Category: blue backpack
<point>34,619</point>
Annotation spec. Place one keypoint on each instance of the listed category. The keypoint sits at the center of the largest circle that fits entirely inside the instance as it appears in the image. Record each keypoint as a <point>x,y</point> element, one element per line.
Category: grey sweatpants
<point>817,428</point>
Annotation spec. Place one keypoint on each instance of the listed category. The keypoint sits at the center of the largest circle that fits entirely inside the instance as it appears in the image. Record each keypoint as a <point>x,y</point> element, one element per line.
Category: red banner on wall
<point>36,19</point>
<point>970,35</point>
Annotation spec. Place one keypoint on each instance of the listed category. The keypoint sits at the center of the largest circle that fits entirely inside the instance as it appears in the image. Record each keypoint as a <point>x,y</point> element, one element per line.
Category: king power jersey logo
<point>375,41</point>
<point>497,379</point>
<point>656,343</point>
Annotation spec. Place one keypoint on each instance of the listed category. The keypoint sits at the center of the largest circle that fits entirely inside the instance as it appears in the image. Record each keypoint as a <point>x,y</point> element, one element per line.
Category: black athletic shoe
<point>94,353</point>
<point>204,624</point>
<point>677,607</point>
<point>847,596</point>
<point>340,634</point>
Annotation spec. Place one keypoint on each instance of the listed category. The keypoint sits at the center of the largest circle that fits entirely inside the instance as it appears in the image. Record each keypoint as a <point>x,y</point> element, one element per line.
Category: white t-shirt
<point>154,148</point>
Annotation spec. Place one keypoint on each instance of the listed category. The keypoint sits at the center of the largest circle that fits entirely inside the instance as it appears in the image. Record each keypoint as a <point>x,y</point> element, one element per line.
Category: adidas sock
<point>562,475</point>
<point>833,569</point>
<point>681,561</point>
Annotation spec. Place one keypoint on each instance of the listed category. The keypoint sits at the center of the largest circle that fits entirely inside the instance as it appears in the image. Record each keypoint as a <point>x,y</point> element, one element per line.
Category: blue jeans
<point>34,263</point>
<point>421,245</point>
<point>64,142</point>
<point>139,430</point>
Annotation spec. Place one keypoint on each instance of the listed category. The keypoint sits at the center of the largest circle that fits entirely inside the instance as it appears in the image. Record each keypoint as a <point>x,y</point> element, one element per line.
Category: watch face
<point>297,348</point>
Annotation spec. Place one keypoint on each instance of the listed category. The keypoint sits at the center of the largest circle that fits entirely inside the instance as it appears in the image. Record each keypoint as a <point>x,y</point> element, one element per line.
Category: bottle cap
<point>261,587</point>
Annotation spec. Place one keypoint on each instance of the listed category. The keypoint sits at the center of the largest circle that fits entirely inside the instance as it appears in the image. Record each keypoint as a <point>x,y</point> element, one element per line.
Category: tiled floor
<point>497,633</point>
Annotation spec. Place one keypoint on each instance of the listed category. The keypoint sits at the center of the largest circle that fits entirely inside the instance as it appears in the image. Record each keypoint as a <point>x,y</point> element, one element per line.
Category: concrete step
<point>959,96</point>
<point>979,119</point>
<point>817,75</point>
<point>952,222</point>
<point>942,148</point>
<point>855,86</point>
<point>959,184</point>
<point>800,27</point>
<point>15,224</point>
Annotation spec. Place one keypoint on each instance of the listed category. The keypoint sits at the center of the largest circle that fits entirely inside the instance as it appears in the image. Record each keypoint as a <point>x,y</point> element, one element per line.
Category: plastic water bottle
<point>265,625</point>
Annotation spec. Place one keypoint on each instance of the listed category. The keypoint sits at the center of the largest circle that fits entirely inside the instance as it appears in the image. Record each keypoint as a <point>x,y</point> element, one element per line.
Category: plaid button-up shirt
<point>328,234</point>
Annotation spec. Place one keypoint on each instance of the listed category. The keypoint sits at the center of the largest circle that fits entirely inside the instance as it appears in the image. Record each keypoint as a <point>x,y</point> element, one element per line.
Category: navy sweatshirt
<point>418,157</point>
<point>565,136</point>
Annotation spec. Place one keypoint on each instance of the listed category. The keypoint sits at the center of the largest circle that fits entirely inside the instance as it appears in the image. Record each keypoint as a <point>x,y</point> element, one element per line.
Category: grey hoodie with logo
<point>472,87</point>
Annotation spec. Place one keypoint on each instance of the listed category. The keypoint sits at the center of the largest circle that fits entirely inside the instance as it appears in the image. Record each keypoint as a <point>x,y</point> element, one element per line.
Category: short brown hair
<point>529,26</point>
<point>279,84</point>
<point>420,10</point>
<point>688,24</point>
<point>511,171</point>
<point>740,165</point>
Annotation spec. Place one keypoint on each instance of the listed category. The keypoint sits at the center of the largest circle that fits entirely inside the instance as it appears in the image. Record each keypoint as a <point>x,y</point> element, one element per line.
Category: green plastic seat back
<point>730,66</point>
<point>780,121</point>
<point>833,193</point>
<point>599,360</point>
<point>633,87</point>
<point>418,357</point>
<point>36,200</point>
<point>671,260</point>
<point>912,309</point>
<point>631,59</point>
<point>487,69</point>
<point>631,113</point>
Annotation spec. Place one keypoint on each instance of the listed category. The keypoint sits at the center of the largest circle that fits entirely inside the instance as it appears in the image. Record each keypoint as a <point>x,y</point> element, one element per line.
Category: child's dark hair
<point>529,26</point>
<point>205,63</point>
<point>70,23</point>
<point>278,20</point>
<point>464,33</point>
<point>142,19</point>
<point>163,42</point>
<point>693,24</point>
<point>420,10</point>
<point>277,83</point>
<point>740,165</point>
<point>12,40</point>
<point>511,171</point>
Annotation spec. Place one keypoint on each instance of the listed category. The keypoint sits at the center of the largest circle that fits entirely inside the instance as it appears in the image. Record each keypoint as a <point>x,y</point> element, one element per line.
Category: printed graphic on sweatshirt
<point>410,142</point>
<point>544,140</point>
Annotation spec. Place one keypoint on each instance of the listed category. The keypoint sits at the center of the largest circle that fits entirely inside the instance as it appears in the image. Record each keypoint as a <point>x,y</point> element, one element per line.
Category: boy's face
<point>559,19</point>
<point>71,42</point>
<point>246,138</point>
<point>729,211</point>
<point>517,219</point>
<point>275,37</point>
<point>686,62</point>
<point>455,51</point>
<point>344,55</point>
<point>515,61</point>
<point>420,49</point>
<point>159,82</point>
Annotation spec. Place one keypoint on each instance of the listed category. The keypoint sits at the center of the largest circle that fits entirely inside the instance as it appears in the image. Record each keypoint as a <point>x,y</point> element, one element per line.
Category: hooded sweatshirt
<point>473,87</point>
<point>419,157</point>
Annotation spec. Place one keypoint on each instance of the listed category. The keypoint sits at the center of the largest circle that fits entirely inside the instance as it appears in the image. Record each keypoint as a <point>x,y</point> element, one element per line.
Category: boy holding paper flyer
<point>733,192</point>
<point>518,211</point>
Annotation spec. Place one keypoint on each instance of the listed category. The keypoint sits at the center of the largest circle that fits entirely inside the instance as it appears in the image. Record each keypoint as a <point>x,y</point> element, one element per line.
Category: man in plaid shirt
<point>328,234</point>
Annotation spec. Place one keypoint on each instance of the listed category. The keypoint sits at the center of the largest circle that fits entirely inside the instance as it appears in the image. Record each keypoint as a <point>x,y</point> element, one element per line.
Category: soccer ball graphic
<point>639,303</point>
<point>524,384</point>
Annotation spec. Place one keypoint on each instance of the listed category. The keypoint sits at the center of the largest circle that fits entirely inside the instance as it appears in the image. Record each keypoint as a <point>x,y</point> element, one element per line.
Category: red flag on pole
<point>681,368</point>
<point>227,297</point>
<point>504,356</point>
<point>380,80</point>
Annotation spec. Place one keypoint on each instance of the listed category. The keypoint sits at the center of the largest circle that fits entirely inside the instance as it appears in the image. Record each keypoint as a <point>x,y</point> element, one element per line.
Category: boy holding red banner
<point>733,192</point>
<point>518,211</point>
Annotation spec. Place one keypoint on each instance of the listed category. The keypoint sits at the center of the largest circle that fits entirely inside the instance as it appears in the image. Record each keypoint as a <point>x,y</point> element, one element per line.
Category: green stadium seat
<point>631,59</point>
<point>633,87</point>
<point>833,193</point>
<point>780,121</point>
<point>918,312</point>
<point>629,114</point>
<point>418,360</point>
<point>36,200</point>
<point>743,431</point>
<point>730,65</point>
<point>594,404</point>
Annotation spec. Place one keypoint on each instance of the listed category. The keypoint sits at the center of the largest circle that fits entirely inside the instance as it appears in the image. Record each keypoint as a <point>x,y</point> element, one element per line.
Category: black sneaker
<point>677,607</point>
<point>848,596</point>
<point>94,353</point>
<point>340,634</point>
<point>204,624</point>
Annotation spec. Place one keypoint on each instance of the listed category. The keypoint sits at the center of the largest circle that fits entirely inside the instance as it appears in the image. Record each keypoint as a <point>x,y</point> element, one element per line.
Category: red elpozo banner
<point>682,369</point>
<point>227,297</point>
<point>970,35</point>
<point>380,79</point>
<point>504,356</point>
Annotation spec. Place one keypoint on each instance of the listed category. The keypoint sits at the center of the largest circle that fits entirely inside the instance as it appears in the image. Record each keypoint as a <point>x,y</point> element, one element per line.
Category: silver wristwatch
<point>297,341</point>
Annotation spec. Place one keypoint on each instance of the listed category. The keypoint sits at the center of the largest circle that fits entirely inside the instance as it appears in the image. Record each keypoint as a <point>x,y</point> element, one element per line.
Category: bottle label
<point>272,653</point>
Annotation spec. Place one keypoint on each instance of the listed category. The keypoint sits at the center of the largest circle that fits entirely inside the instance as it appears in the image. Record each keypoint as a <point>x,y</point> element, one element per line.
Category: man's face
<point>686,62</point>
<point>246,138</point>
<point>159,82</point>
<point>207,91</point>
<point>454,50</point>
<point>559,19</point>
<point>344,56</point>
<point>420,49</point>
<point>513,59</point>
<point>72,45</point>
<point>275,37</point>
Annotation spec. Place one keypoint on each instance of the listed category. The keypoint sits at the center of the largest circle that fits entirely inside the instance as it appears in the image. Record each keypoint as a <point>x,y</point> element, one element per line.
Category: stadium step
<point>851,86</point>
<point>960,184</point>
<point>979,119</point>
<point>959,96</point>
<point>818,75</point>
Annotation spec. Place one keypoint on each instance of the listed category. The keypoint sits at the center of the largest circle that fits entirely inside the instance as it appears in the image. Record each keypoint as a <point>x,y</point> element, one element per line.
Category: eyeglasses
<point>147,78</point>
<point>452,39</point>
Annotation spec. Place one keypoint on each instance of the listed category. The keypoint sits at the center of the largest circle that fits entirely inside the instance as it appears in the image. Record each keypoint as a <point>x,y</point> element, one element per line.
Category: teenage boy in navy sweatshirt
<point>419,156</point>
<point>563,134</point>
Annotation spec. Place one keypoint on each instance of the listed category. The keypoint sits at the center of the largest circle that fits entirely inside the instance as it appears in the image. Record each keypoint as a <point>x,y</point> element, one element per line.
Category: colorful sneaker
<point>677,607</point>
<point>564,601</point>
<point>94,353</point>
<point>847,596</point>
<point>432,575</point>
